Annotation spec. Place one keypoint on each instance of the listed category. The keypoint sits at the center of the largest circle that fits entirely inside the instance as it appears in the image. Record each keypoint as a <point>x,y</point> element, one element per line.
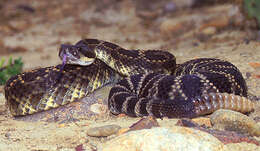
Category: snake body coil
<point>198,87</point>
<point>152,83</point>
<point>50,87</point>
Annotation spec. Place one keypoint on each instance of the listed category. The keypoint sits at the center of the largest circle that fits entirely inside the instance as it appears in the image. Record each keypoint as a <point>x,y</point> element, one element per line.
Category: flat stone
<point>103,131</point>
<point>234,121</point>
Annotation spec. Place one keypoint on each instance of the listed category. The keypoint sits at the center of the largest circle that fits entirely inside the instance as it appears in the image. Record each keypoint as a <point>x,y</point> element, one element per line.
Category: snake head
<point>76,54</point>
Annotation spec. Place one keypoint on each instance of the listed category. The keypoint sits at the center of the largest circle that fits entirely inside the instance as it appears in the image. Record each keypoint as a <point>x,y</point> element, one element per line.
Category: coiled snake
<point>150,82</point>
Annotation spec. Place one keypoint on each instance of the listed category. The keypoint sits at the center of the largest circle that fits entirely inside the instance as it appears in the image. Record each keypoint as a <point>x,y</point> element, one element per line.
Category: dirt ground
<point>34,31</point>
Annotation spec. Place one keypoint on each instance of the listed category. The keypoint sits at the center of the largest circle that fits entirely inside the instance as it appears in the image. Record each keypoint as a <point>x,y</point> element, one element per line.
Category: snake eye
<point>74,53</point>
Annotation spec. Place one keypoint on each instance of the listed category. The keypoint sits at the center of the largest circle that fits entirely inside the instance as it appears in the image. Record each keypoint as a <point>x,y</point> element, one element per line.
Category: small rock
<point>225,137</point>
<point>234,121</point>
<point>219,22</point>
<point>202,121</point>
<point>145,123</point>
<point>19,25</point>
<point>170,26</point>
<point>103,131</point>
<point>209,31</point>
<point>187,123</point>
<point>157,139</point>
<point>79,148</point>
<point>98,108</point>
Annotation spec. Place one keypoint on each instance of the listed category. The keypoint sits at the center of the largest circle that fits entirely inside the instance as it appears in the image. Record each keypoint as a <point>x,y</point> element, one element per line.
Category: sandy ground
<point>34,31</point>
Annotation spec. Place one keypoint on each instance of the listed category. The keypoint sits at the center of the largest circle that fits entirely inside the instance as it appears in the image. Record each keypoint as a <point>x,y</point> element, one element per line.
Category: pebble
<point>209,31</point>
<point>98,108</point>
<point>225,137</point>
<point>19,25</point>
<point>170,26</point>
<point>157,139</point>
<point>234,121</point>
<point>145,123</point>
<point>202,121</point>
<point>219,22</point>
<point>103,131</point>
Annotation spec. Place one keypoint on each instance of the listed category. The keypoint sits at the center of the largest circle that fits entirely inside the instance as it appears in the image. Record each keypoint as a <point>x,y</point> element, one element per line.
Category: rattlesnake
<point>148,82</point>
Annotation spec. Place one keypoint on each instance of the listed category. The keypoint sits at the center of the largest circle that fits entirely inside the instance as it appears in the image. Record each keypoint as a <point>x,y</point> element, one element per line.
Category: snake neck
<point>125,62</point>
<point>110,55</point>
<point>130,62</point>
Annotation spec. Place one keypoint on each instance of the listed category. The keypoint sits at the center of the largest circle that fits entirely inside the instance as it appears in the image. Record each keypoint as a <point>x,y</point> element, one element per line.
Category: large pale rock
<point>157,139</point>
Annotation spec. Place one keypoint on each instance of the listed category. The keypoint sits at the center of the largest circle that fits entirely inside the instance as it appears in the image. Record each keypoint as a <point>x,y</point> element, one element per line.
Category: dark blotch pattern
<point>177,95</point>
<point>42,84</point>
<point>155,85</point>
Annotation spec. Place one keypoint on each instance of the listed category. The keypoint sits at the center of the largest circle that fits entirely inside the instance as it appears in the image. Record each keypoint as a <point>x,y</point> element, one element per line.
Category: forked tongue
<point>64,59</point>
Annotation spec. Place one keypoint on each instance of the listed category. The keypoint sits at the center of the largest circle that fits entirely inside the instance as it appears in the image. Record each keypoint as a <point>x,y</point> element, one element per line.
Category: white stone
<point>157,139</point>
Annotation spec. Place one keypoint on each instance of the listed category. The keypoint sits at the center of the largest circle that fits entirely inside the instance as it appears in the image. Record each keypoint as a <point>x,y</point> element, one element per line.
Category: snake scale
<point>147,82</point>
